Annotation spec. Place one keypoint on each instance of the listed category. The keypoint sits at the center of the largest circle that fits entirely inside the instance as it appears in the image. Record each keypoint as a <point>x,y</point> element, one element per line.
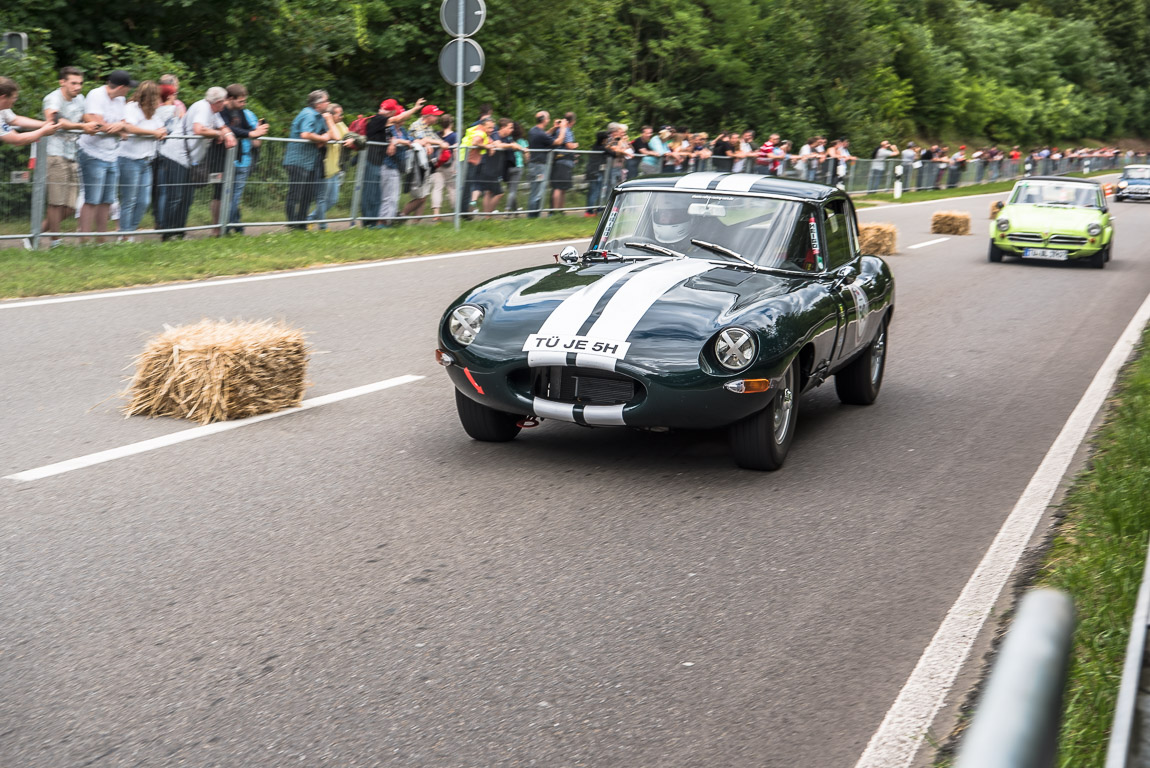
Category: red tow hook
<point>528,422</point>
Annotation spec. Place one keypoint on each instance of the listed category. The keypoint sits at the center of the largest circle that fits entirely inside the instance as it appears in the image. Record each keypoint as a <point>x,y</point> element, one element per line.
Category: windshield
<point>1055,193</point>
<point>757,228</point>
<point>1140,172</point>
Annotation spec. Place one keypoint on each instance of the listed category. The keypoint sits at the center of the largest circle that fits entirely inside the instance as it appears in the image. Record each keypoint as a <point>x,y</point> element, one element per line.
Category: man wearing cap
<point>302,158</point>
<point>426,141</point>
<point>175,189</point>
<point>99,153</point>
<point>378,134</point>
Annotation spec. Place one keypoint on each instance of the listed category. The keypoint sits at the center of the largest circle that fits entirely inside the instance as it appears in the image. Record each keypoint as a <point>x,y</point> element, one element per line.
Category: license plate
<point>578,345</point>
<point>1050,254</point>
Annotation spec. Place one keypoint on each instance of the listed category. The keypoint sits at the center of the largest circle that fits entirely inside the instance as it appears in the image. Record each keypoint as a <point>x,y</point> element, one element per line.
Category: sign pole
<point>459,130</point>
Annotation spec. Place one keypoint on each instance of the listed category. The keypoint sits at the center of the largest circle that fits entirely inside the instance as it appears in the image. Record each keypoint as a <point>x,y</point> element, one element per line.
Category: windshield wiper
<point>655,249</point>
<point>716,248</point>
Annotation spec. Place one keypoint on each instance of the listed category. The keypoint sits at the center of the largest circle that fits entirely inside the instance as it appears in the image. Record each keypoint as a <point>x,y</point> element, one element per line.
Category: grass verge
<point>69,269</point>
<point>1097,557</point>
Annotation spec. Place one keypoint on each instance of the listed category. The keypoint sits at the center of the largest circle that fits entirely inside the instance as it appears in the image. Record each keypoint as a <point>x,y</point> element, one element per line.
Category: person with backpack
<point>427,147</point>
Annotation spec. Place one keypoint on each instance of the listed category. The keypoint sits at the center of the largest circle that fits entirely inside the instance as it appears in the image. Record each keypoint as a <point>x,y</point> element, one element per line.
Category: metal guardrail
<point>1129,745</point>
<point>1017,720</point>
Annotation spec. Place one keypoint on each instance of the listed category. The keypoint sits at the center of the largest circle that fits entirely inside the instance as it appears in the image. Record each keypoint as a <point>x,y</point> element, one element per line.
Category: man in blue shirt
<point>302,160</point>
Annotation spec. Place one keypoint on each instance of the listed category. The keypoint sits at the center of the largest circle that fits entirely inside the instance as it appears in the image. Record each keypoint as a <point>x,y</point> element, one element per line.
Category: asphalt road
<point>360,584</point>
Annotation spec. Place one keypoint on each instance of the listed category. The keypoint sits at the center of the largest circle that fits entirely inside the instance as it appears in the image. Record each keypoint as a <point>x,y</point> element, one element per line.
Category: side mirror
<point>569,255</point>
<point>844,276</point>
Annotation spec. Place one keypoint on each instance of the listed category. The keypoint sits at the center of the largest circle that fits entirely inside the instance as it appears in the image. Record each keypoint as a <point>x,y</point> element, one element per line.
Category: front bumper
<point>1077,245</point>
<point>632,396</point>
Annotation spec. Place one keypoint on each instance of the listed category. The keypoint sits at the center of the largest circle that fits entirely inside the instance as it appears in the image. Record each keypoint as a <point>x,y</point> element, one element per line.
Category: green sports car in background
<point>1054,218</point>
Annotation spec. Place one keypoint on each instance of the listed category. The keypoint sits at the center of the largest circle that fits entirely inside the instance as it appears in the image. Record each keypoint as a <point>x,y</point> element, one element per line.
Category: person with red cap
<point>388,142</point>
<point>428,146</point>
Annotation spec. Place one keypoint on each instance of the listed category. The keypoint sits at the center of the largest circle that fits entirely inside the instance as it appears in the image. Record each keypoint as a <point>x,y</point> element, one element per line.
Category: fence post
<point>229,183</point>
<point>357,186</point>
<point>39,190</point>
<point>545,201</point>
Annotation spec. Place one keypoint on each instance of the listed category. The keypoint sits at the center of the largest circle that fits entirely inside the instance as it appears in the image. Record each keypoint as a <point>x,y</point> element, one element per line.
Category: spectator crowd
<point>149,149</point>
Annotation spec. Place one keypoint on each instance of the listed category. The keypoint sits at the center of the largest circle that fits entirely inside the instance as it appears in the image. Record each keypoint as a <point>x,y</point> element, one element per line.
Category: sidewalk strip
<point>904,728</point>
<point>928,242</point>
<point>208,429</point>
<point>278,275</point>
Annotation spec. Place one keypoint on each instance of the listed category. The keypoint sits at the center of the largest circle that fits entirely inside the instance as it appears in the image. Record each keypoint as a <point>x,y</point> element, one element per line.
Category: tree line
<point>1040,71</point>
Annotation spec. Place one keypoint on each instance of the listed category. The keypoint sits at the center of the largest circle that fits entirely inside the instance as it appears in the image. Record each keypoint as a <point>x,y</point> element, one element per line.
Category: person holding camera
<point>540,144</point>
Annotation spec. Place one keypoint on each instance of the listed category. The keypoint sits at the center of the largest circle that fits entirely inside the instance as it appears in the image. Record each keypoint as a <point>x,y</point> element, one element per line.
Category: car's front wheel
<point>761,441</point>
<point>860,381</point>
<point>1099,258</point>
<point>994,254</point>
<point>486,424</point>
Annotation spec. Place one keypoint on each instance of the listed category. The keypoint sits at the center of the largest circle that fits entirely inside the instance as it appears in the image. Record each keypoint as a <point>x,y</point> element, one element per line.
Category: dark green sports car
<point>706,300</point>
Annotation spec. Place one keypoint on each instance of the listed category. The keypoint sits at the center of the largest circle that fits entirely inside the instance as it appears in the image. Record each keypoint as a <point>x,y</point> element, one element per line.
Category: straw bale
<point>216,371</point>
<point>878,239</point>
<point>950,223</point>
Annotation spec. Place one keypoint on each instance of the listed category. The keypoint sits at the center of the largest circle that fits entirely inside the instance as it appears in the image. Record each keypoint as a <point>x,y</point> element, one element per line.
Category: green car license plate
<point>1050,254</point>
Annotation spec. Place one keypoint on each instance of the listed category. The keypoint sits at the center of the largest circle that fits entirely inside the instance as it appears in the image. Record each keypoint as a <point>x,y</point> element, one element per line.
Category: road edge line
<point>904,728</point>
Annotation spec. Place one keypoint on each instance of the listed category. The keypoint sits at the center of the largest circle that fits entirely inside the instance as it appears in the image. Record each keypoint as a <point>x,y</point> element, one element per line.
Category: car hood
<point>665,309</point>
<point>1049,218</point>
<point>1136,182</point>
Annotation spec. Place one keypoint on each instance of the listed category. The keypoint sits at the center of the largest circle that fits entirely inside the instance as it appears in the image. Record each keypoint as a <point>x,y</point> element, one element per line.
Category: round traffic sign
<point>474,14</point>
<point>472,61</point>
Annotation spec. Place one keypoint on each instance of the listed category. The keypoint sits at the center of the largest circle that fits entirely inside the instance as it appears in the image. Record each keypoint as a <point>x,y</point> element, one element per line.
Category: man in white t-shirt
<point>175,189</point>
<point>10,121</point>
<point>98,153</point>
<point>65,107</point>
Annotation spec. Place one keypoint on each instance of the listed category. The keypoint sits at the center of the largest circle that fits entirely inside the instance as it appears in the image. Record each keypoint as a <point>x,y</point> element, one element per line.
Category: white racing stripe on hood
<point>632,301</point>
<point>567,318</point>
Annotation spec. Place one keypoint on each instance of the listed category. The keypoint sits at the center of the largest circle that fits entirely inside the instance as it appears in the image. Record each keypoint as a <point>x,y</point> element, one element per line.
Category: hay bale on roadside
<point>950,223</point>
<point>878,239</point>
<point>995,208</point>
<point>216,371</point>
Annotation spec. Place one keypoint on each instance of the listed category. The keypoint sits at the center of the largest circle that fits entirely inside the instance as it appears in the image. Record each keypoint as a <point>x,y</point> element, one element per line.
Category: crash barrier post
<point>1018,714</point>
<point>1128,746</point>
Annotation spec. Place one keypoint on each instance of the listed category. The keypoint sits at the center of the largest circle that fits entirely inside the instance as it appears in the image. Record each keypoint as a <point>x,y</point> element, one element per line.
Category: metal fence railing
<point>269,195</point>
<point>1129,745</point>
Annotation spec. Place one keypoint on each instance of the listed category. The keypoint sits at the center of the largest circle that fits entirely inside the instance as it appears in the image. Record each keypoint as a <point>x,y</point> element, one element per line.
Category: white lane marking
<point>903,729</point>
<point>196,432</point>
<point>928,242</point>
<point>276,275</point>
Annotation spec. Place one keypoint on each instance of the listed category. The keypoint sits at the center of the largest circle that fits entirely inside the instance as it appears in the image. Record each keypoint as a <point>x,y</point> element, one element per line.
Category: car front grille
<point>585,386</point>
<point>1141,190</point>
<point>1067,240</point>
<point>1024,237</point>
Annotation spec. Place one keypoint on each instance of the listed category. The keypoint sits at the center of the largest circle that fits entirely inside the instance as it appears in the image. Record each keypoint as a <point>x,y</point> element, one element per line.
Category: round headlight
<point>1094,229</point>
<point>465,323</point>
<point>1003,224</point>
<point>735,348</point>
<point>1123,184</point>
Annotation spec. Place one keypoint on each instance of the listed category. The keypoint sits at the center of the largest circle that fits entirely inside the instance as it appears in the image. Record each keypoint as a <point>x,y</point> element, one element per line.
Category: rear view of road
<point>359,584</point>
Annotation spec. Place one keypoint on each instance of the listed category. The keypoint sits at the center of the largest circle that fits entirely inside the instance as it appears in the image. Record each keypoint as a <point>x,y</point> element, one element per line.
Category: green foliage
<point>1009,70</point>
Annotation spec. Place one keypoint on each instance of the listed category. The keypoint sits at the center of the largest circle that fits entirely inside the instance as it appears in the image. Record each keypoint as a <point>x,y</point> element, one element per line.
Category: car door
<point>842,254</point>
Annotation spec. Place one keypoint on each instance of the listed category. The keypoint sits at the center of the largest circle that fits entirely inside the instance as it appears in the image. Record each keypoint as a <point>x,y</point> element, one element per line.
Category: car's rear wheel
<point>761,441</point>
<point>859,382</point>
<point>486,424</point>
<point>994,254</point>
